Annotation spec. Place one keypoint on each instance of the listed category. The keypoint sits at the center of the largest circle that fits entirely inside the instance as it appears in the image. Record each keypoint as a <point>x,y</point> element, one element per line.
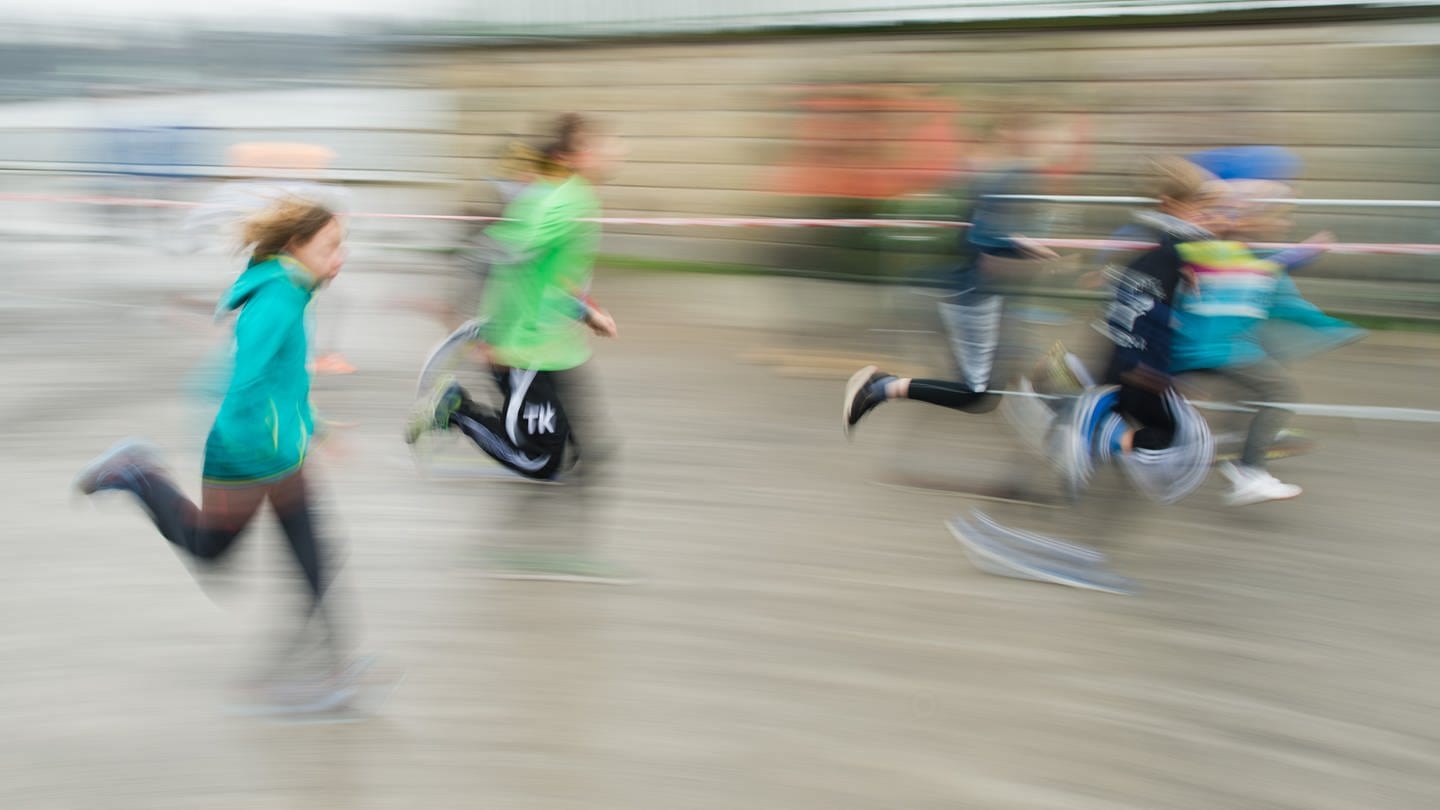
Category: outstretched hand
<point>601,323</point>
<point>1032,249</point>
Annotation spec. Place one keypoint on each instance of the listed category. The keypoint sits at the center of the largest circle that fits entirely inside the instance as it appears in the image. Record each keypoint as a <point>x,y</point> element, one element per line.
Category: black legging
<point>954,395</point>
<point>532,430</point>
<point>208,532</point>
<point>1148,410</point>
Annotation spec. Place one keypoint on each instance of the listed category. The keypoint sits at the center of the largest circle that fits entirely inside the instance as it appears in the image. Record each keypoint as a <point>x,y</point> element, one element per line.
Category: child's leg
<point>481,422</point>
<point>207,532</point>
<point>588,426</point>
<point>529,434</point>
<point>593,442</point>
<point>972,323</point>
<point>290,499</point>
<point>954,395</point>
<point>869,387</point>
<point>1266,381</point>
<point>1156,423</point>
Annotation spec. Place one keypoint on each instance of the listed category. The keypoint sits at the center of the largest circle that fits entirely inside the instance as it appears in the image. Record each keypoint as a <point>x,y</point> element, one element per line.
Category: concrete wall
<point>715,127</point>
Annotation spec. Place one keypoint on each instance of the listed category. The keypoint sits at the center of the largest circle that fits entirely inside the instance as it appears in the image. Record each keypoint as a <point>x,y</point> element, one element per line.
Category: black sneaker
<point>864,391</point>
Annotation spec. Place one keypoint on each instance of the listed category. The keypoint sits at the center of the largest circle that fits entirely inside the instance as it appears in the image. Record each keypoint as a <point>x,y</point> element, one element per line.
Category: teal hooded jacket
<point>262,432</point>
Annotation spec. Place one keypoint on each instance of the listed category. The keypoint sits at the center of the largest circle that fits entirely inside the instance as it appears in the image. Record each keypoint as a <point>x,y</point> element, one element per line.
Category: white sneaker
<point>1234,473</point>
<point>1252,485</point>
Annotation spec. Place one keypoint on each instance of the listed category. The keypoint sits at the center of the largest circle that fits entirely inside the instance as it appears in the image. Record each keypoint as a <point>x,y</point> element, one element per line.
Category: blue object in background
<point>1249,163</point>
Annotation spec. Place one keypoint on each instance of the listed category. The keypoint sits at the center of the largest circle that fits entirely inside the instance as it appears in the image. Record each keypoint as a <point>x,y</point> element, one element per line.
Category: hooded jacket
<point>1225,318</point>
<point>536,304</point>
<point>1138,316</point>
<point>262,432</point>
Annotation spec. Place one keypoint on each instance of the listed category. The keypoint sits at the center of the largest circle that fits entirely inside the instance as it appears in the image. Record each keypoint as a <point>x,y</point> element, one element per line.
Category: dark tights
<point>954,395</point>
<point>208,532</point>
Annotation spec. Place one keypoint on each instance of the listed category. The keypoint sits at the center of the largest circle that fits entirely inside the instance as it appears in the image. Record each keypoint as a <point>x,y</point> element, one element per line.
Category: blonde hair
<point>520,161</point>
<point>288,221</point>
<point>1180,180</point>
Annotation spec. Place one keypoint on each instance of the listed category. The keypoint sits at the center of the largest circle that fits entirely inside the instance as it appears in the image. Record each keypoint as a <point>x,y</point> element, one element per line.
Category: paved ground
<point>803,637</point>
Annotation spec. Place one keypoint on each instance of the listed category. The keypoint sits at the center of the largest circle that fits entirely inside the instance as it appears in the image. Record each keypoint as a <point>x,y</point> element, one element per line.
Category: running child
<point>1222,317</point>
<point>993,253</point>
<point>257,447</point>
<point>538,310</point>
<point>1136,415</point>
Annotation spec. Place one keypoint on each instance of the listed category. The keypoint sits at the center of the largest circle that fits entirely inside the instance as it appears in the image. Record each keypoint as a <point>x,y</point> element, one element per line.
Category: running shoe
<point>1059,372</point>
<point>118,467</point>
<point>864,391</point>
<point>306,695</point>
<point>1251,485</point>
<point>434,411</point>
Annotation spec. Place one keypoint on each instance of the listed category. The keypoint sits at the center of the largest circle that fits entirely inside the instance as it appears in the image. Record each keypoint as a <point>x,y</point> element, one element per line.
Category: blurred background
<point>807,634</point>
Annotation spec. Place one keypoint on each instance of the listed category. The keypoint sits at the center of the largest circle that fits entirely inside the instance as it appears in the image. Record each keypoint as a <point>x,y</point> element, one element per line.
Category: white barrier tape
<point>1413,249</point>
<point>1373,413</point>
<point>1375,248</point>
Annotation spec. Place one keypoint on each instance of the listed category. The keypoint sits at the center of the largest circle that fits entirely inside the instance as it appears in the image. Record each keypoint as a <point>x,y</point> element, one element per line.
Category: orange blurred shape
<point>299,157</point>
<point>871,141</point>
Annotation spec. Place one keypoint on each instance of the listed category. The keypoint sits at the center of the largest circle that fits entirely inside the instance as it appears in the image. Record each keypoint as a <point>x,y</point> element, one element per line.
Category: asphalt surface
<point>802,635</point>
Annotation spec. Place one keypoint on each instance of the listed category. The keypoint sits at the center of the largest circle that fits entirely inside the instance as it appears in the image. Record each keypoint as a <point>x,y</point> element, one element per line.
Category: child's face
<point>598,158</point>
<point>1219,217</point>
<point>325,253</point>
<point>1254,219</point>
<point>1264,222</point>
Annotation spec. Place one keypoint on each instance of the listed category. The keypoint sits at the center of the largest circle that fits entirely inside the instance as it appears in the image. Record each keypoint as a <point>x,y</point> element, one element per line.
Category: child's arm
<point>1138,318</point>
<point>590,314</point>
<point>1294,258</point>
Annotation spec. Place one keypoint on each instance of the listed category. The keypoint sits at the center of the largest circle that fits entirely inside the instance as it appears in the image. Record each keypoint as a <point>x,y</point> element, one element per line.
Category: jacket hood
<point>277,268</point>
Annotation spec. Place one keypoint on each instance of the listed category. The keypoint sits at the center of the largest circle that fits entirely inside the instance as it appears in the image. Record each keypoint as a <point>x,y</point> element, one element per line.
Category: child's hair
<point>567,134</point>
<point>520,161</point>
<point>1178,179</point>
<point>282,224</point>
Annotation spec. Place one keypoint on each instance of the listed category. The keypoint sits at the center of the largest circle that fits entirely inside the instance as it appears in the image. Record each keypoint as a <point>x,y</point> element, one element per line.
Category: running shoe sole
<point>852,387</point>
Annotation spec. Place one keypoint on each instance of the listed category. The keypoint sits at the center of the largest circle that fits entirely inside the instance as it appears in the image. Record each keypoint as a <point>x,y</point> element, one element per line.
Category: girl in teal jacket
<point>263,428</point>
<point>256,449</point>
<point>1238,316</point>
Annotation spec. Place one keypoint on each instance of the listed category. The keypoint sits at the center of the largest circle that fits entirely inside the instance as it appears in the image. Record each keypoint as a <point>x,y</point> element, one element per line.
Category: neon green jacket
<point>263,429</point>
<point>535,305</point>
